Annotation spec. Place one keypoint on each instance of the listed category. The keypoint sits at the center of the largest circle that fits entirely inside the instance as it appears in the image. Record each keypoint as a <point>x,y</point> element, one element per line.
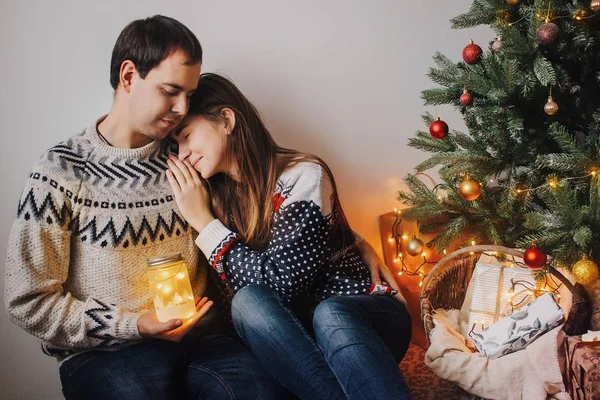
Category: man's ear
<point>229,118</point>
<point>126,74</point>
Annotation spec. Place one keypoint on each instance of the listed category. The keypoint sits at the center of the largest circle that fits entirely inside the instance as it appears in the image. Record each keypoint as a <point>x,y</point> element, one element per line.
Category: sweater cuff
<point>211,237</point>
<point>126,327</point>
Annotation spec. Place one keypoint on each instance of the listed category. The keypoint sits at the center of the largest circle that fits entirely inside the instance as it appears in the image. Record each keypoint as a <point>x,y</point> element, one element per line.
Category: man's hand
<point>380,273</point>
<point>175,329</point>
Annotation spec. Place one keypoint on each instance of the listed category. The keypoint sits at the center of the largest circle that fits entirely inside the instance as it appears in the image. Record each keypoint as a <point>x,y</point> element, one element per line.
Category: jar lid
<point>164,259</point>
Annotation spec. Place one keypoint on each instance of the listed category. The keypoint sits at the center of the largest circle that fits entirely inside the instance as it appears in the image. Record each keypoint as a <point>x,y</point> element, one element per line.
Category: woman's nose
<point>183,153</point>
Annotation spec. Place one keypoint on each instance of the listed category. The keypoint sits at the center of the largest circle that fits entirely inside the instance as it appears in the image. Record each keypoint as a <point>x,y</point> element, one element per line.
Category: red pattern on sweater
<point>224,250</point>
<point>278,199</point>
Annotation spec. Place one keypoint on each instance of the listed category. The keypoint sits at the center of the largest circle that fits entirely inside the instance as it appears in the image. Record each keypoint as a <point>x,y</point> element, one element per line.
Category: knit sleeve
<point>37,266</point>
<point>298,247</point>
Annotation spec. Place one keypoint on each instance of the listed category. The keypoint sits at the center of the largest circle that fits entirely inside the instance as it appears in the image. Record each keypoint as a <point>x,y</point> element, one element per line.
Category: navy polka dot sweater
<point>302,261</point>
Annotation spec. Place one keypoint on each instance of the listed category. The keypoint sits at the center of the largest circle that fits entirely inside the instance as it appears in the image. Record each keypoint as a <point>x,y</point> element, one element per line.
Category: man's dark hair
<point>147,42</point>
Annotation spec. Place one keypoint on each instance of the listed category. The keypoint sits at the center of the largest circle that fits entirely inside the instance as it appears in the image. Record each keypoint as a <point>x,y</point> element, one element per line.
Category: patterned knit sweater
<point>304,262</point>
<point>89,217</point>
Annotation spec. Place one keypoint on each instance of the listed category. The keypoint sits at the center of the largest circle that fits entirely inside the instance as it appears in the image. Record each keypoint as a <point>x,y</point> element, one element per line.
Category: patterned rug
<point>423,383</point>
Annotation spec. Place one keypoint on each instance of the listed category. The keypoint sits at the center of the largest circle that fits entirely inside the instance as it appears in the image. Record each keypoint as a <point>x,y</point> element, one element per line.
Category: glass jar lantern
<point>170,287</point>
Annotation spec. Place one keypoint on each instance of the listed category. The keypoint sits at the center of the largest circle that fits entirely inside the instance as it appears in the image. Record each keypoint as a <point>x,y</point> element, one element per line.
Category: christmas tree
<point>528,169</point>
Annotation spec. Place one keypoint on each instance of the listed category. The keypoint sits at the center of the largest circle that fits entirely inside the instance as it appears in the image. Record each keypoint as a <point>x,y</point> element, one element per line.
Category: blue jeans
<point>354,353</point>
<point>216,366</point>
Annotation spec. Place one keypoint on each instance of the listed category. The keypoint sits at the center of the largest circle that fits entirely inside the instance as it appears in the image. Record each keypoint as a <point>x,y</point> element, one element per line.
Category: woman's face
<point>202,144</point>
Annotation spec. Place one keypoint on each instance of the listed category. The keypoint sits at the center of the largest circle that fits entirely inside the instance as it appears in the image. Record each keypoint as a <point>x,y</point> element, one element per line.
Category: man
<point>94,208</point>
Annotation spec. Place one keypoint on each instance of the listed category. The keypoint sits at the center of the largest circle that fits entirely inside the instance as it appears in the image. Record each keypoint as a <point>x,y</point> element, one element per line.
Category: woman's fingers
<point>173,182</point>
<point>177,174</point>
<point>178,166</point>
<point>193,173</point>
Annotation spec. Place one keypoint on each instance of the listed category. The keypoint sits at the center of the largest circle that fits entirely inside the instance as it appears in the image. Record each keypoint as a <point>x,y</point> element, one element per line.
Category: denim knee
<point>334,305</point>
<point>326,317</point>
<point>248,299</point>
<point>248,307</point>
<point>330,307</point>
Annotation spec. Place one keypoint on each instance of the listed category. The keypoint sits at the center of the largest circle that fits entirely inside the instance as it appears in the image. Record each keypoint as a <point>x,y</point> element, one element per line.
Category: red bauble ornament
<point>472,53</point>
<point>438,129</point>
<point>534,258</point>
<point>466,99</point>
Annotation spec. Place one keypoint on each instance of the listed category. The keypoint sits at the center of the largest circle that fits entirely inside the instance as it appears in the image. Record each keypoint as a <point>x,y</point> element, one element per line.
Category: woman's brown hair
<point>246,206</point>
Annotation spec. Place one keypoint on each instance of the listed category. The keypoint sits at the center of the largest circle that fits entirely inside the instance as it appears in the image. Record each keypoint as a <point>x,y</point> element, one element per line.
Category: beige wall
<point>340,79</point>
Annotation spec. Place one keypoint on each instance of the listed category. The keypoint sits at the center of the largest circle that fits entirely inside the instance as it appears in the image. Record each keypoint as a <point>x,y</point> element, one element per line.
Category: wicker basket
<point>446,284</point>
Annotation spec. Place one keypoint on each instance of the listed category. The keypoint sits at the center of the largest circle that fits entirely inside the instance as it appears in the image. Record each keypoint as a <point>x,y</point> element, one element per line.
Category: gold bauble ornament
<point>503,16</point>
<point>414,246</point>
<point>585,271</point>
<point>550,107</point>
<point>595,5</point>
<point>469,189</point>
<point>513,2</point>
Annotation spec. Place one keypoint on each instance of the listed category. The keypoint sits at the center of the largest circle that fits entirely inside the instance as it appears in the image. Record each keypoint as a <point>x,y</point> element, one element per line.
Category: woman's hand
<point>190,193</point>
<point>380,273</point>
<point>174,329</point>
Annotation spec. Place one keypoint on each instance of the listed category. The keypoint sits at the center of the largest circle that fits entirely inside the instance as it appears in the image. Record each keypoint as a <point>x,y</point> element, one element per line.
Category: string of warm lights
<point>578,15</point>
<point>531,290</point>
<point>554,181</point>
<point>398,239</point>
<point>516,22</point>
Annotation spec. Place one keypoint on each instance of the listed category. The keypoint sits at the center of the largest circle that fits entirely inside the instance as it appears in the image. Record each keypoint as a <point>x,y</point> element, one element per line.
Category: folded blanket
<point>531,374</point>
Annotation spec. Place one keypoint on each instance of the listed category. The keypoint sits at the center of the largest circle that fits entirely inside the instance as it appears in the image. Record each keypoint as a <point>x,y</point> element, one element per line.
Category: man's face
<point>160,101</point>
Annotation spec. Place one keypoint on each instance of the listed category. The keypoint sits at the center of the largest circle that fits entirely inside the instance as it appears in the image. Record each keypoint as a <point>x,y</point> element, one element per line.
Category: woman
<point>271,225</point>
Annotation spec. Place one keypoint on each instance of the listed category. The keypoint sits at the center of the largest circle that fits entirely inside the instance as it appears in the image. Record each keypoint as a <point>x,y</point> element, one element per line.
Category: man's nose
<point>181,105</point>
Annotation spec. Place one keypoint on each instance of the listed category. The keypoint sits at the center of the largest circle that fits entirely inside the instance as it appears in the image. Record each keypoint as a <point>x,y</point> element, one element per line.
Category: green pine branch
<point>425,142</point>
<point>482,12</point>
<point>437,96</point>
<point>544,71</point>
